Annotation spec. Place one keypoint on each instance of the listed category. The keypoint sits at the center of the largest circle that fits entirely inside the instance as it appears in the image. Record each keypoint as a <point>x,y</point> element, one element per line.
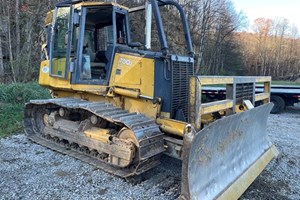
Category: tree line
<point>271,48</point>
<point>21,36</point>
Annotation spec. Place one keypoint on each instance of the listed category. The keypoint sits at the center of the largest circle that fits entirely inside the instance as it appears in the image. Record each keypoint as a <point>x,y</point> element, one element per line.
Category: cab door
<point>94,39</point>
<point>101,30</point>
<point>60,42</point>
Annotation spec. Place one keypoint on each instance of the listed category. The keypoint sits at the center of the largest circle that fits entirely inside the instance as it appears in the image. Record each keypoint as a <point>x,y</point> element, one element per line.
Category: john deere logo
<point>124,61</point>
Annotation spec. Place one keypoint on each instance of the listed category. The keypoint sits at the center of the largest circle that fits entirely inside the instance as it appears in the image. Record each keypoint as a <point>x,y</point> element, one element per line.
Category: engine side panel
<point>133,72</point>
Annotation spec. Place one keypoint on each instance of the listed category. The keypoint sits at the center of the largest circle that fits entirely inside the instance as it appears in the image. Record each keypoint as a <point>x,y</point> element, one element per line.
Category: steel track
<point>150,138</point>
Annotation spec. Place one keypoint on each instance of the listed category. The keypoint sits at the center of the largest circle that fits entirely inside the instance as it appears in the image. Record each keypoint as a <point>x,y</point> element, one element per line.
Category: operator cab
<point>84,39</point>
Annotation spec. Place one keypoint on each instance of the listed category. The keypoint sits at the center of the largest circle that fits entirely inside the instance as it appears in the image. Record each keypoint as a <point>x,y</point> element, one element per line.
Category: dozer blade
<point>225,157</point>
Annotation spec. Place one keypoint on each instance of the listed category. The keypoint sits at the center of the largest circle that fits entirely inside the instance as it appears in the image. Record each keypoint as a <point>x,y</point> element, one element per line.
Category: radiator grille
<point>181,71</point>
<point>244,91</point>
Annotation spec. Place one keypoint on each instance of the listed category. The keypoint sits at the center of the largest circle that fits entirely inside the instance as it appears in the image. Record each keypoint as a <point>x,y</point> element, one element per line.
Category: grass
<point>12,100</point>
<point>10,119</point>
<point>272,83</point>
<point>285,83</point>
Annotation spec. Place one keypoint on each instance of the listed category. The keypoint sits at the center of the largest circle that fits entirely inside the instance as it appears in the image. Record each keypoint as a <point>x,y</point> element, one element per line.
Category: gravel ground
<point>30,171</point>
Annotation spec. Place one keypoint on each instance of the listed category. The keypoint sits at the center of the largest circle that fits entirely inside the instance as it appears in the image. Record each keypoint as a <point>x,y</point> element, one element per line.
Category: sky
<point>289,9</point>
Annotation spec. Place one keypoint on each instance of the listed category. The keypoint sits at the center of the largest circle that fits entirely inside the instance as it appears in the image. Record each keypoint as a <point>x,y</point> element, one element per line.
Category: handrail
<point>197,108</point>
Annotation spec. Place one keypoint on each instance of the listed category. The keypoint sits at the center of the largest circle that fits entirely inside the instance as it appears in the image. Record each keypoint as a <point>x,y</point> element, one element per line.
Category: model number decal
<point>124,61</point>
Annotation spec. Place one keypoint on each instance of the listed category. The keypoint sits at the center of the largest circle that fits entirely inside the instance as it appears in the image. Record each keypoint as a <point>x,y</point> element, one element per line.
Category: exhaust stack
<point>148,17</point>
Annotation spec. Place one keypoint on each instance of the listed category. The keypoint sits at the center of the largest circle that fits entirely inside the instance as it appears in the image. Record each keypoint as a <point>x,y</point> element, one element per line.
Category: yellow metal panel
<point>98,134</point>
<point>194,102</point>
<point>240,108</point>
<point>172,126</point>
<point>55,82</point>
<point>95,89</point>
<point>64,84</point>
<point>263,78</point>
<point>145,107</point>
<point>128,70</point>
<point>89,96</point>
<point>207,118</point>
<point>100,4</point>
<point>216,106</point>
<point>262,96</point>
<point>244,181</point>
<point>267,89</point>
<point>59,66</point>
<point>126,92</point>
<point>215,80</point>
<point>44,77</point>
<point>133,72</point>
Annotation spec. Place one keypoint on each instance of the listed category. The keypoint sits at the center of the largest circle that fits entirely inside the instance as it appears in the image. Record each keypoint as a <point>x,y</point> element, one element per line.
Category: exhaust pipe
<point>148,18</point>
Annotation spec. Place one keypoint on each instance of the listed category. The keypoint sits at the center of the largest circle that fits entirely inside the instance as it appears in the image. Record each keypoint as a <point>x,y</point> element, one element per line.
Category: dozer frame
<point>120,108</point>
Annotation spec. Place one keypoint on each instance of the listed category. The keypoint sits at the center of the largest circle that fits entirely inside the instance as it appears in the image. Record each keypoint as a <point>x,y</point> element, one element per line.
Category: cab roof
<point>91,3</point>
<point>77,4</point>
<point>80,3</point>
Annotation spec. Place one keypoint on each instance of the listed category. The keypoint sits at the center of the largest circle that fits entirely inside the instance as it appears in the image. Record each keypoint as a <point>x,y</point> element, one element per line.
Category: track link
<point>147,133</point>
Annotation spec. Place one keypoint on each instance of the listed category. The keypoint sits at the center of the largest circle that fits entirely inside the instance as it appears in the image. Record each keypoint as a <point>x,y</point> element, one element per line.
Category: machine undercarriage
<point>114,140</point>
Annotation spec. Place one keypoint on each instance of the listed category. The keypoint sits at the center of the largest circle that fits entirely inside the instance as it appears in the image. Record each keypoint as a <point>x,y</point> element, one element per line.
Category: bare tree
<point>205,19</point>
<point>1,58</point>
<point>273,49</point>
<point>17,24</point>
<point>2,30</point>
<point>9,41</point>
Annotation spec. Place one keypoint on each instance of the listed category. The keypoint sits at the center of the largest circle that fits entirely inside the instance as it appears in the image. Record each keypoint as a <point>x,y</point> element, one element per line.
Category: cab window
<point>97,44</point>
<point>59,42</point>
<point>121,29</point>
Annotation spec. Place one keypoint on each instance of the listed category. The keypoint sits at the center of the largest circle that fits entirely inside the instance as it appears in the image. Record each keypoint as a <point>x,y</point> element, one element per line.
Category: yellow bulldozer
<point>120,106</point>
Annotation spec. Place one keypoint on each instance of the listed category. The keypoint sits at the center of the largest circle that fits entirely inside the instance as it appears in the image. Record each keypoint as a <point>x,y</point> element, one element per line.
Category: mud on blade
<point>229,154</point>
